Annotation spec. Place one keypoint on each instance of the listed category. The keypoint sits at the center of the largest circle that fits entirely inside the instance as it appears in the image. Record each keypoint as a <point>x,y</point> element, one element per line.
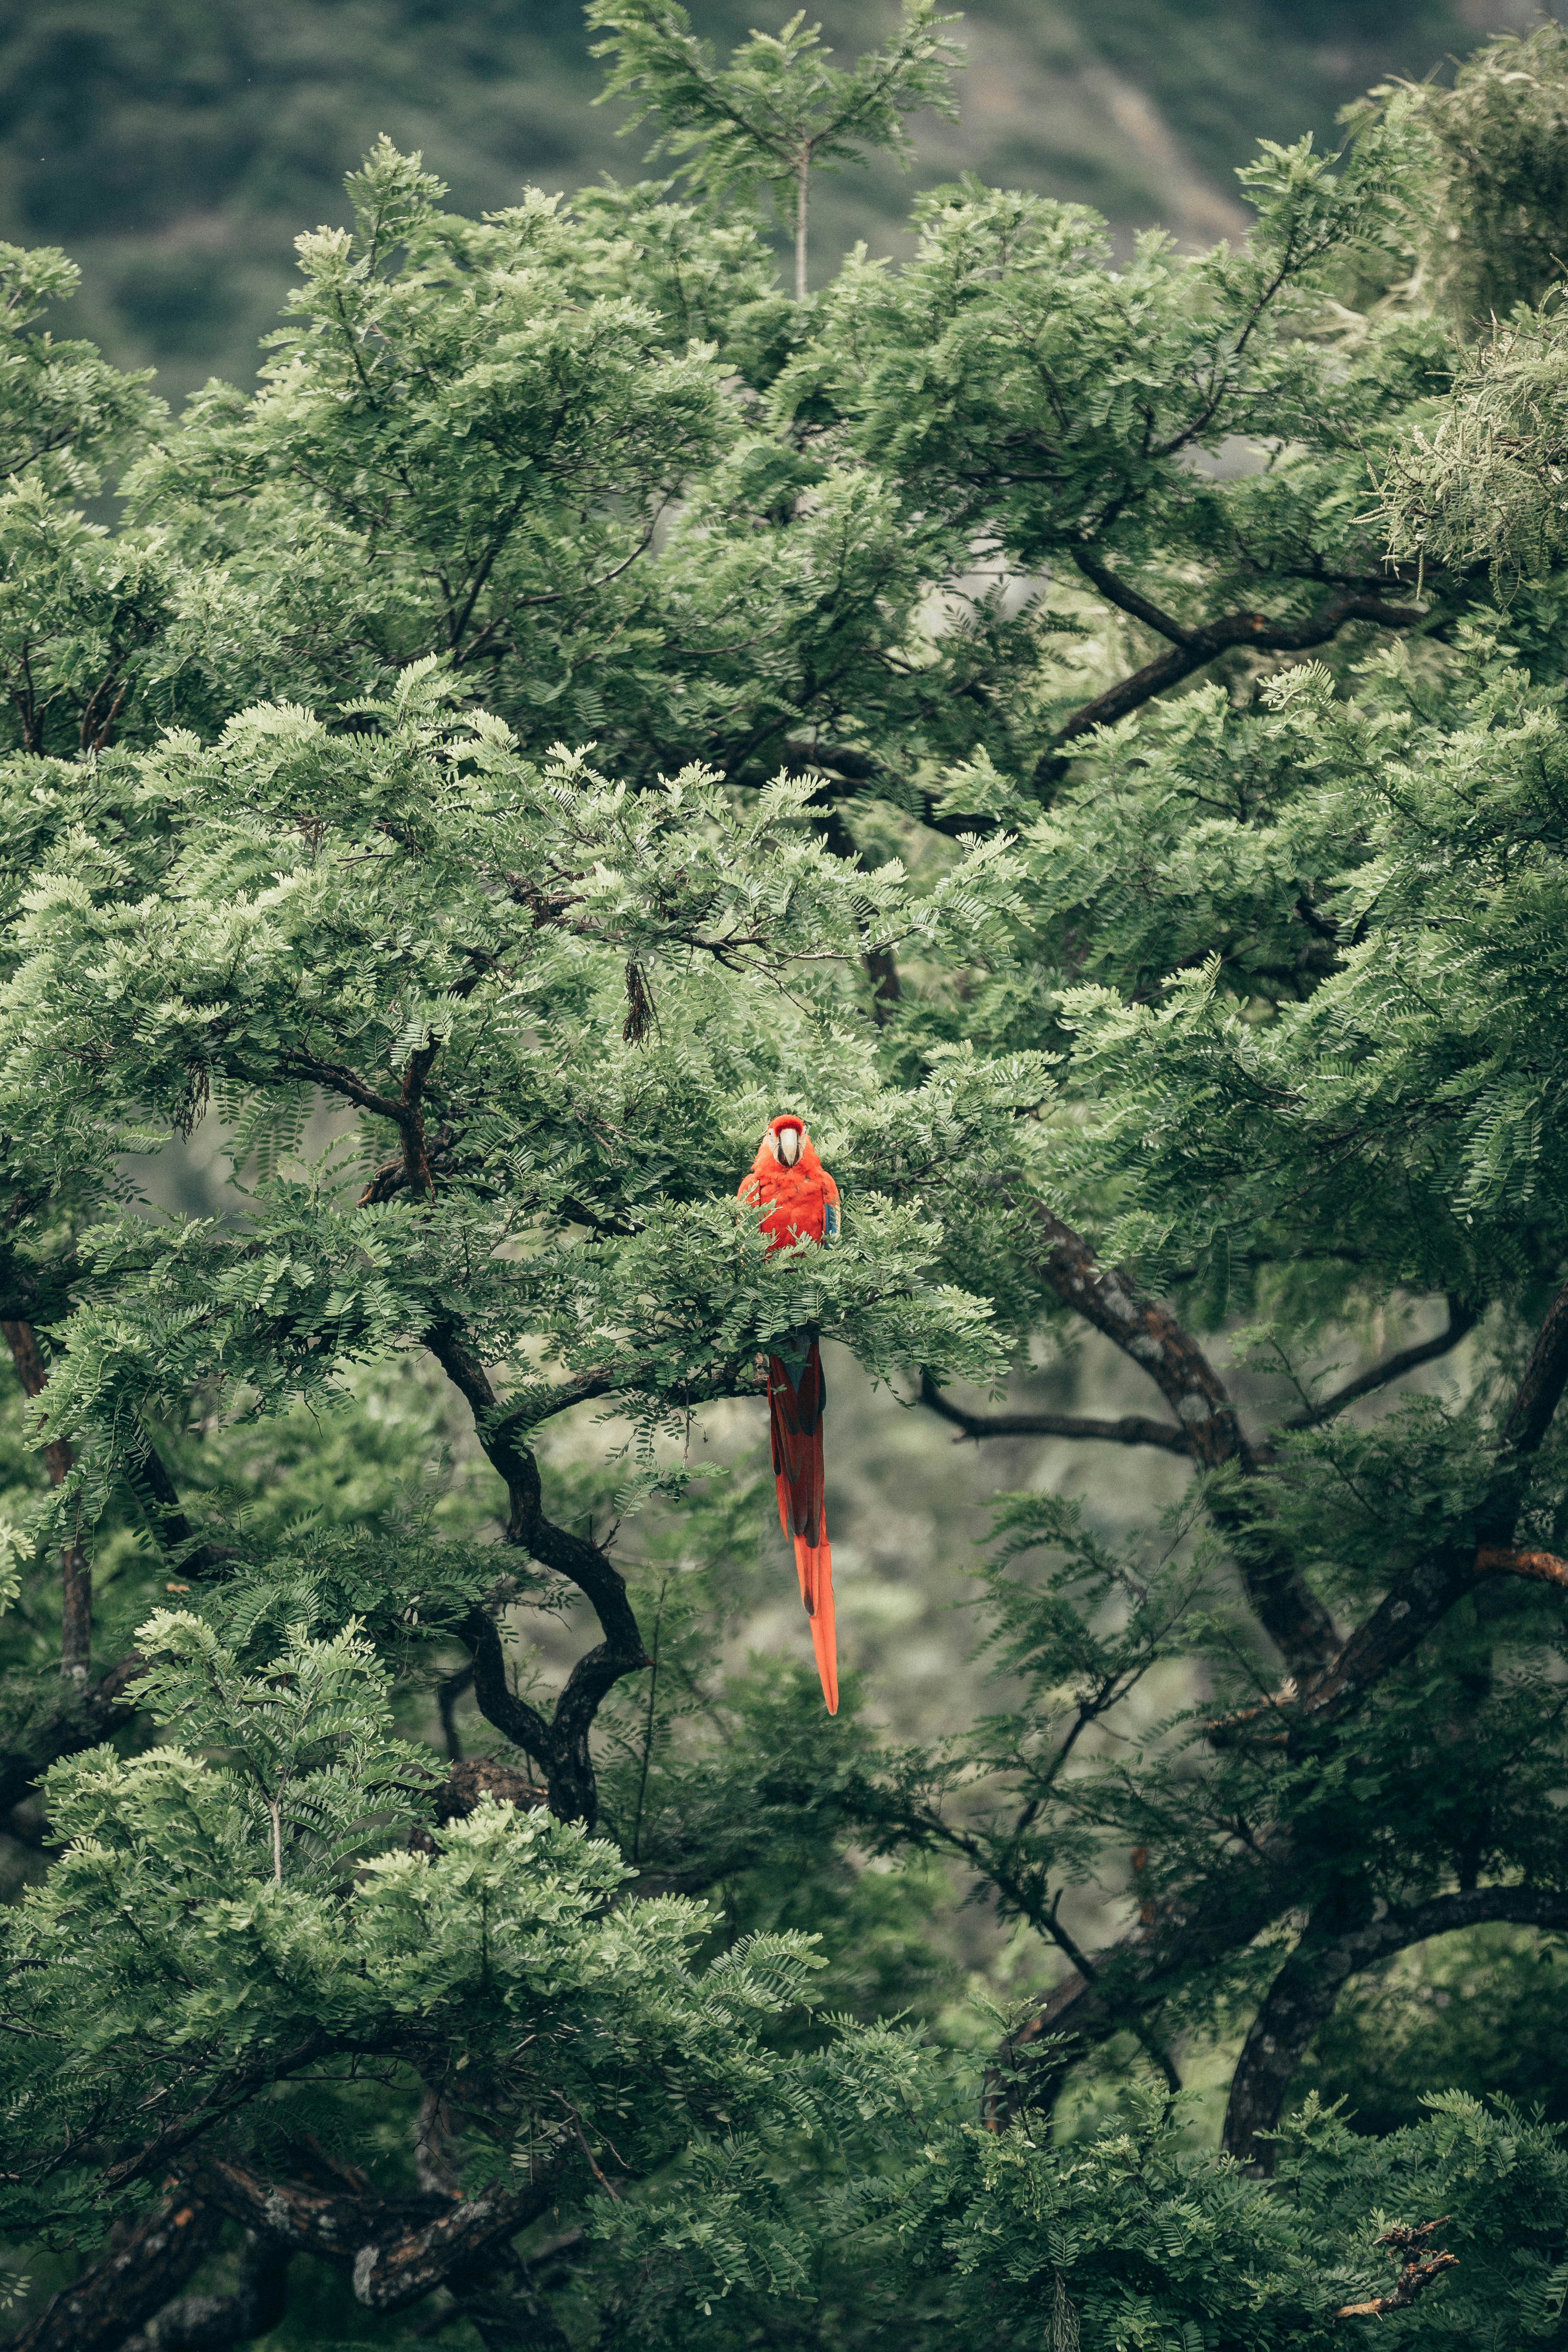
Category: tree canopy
<point>1086,733</point>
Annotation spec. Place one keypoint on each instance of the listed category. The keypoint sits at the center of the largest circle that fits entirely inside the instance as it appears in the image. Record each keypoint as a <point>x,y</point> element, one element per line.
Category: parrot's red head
<point>784,1139</point>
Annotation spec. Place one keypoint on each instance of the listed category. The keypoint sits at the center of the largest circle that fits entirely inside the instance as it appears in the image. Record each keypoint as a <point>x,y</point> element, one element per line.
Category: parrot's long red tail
<point>796,1395</point>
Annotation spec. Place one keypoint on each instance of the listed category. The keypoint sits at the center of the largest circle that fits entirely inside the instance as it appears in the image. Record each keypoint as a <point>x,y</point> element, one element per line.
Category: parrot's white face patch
<point>784,1145</point>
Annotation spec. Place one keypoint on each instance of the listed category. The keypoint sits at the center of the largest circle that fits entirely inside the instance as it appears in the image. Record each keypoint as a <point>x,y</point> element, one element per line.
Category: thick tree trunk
<point>212,2323</point>
<point>1300,1999</point>
<point>130,2284</point>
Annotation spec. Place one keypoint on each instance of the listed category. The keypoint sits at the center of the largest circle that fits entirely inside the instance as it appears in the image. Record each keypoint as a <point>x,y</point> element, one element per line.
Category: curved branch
<point>1418,2269</point>
<point>493,1694</point>
<point>1493,1560</point>
<point>214,2322</point>
<point>1462,1321</point>
<point>1200,645</point>
<point>1540,1387</point>
<point>1180,1936</point>
<point>1140,1328</point>
<point>397,2248</point>
<point>149,1481</point>
<point>1490,1560</point>
<point>1190,1931</point>
<point>561,1746</point>
<point>225,2095</point>
<point>1132,1429</point>
<point>336,1079</point>
<point>1419,1598</point>
<point>1303,1995</point>
<point>1127,599</point>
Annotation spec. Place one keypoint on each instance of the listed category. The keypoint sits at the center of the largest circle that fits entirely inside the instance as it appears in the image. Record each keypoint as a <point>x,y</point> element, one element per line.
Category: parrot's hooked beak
<point>785,1140</point>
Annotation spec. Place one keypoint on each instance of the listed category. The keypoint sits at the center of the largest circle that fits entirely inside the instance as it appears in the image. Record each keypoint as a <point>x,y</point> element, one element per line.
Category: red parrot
<point>790,1182</point>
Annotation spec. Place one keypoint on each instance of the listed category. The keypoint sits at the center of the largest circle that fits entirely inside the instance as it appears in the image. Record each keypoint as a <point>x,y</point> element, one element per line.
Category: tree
<point>779,112</point>
<point>954,777</point>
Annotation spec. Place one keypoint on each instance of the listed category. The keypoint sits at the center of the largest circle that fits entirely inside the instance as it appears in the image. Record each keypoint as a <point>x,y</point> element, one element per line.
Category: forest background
<point>174,147</point>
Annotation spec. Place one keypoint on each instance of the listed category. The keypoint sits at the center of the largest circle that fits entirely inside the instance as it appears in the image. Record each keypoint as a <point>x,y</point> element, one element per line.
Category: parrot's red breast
<point>799,1197</point>
<point>789,1182</point>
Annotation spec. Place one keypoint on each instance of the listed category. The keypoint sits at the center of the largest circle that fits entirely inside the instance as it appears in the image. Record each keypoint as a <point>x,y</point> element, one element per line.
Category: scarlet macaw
<point>790,1182</point>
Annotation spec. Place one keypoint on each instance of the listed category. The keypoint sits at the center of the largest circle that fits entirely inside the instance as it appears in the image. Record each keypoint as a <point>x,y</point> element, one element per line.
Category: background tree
<point>779,110</point>
<point>176,156</point>
<point>1217,1024</point>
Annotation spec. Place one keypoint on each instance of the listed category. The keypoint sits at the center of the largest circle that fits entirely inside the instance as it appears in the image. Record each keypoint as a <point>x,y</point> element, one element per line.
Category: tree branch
<point>1303,1995</point>
<point>1132,1429</point>
<point>562,1745</point>
<point>131,2282</point>
<point>1490,1560</point>
<point>1140,1328</point>
<point>1418,2269</point>
<point>497,1702</point>
<point>213,2322</point>
<point>1540,1387</point>
<point>1420,1598</point>
<point>227,2094</point>
<point>1117,591</point>
<point>1193,1929</point>
<point>1307,1987</point>
<point>1544,1566</point>
<point>150,1481</point>
<point>1300,1999</point>
<point>411,1119</point>
<point>337,1080</point>
<point>397,2249</point>
<point>1286,1605</point>
<point>1202,646</point>
<point>1461,1321</point>
<point>1180,1935</point>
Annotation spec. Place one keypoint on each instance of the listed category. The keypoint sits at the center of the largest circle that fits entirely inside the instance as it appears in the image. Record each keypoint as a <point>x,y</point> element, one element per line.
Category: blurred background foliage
<point>176,147</point>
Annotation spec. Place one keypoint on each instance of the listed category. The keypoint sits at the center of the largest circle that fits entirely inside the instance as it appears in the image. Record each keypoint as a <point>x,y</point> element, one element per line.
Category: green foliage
<point>580,704</point>
<point>1415,1046</point>
<point>64,411</point>
<point>779,110</point>
<point>1488,213</point>
<point>1121,2241</point>
<point>1485,477</point>
<point>209,1959</point>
